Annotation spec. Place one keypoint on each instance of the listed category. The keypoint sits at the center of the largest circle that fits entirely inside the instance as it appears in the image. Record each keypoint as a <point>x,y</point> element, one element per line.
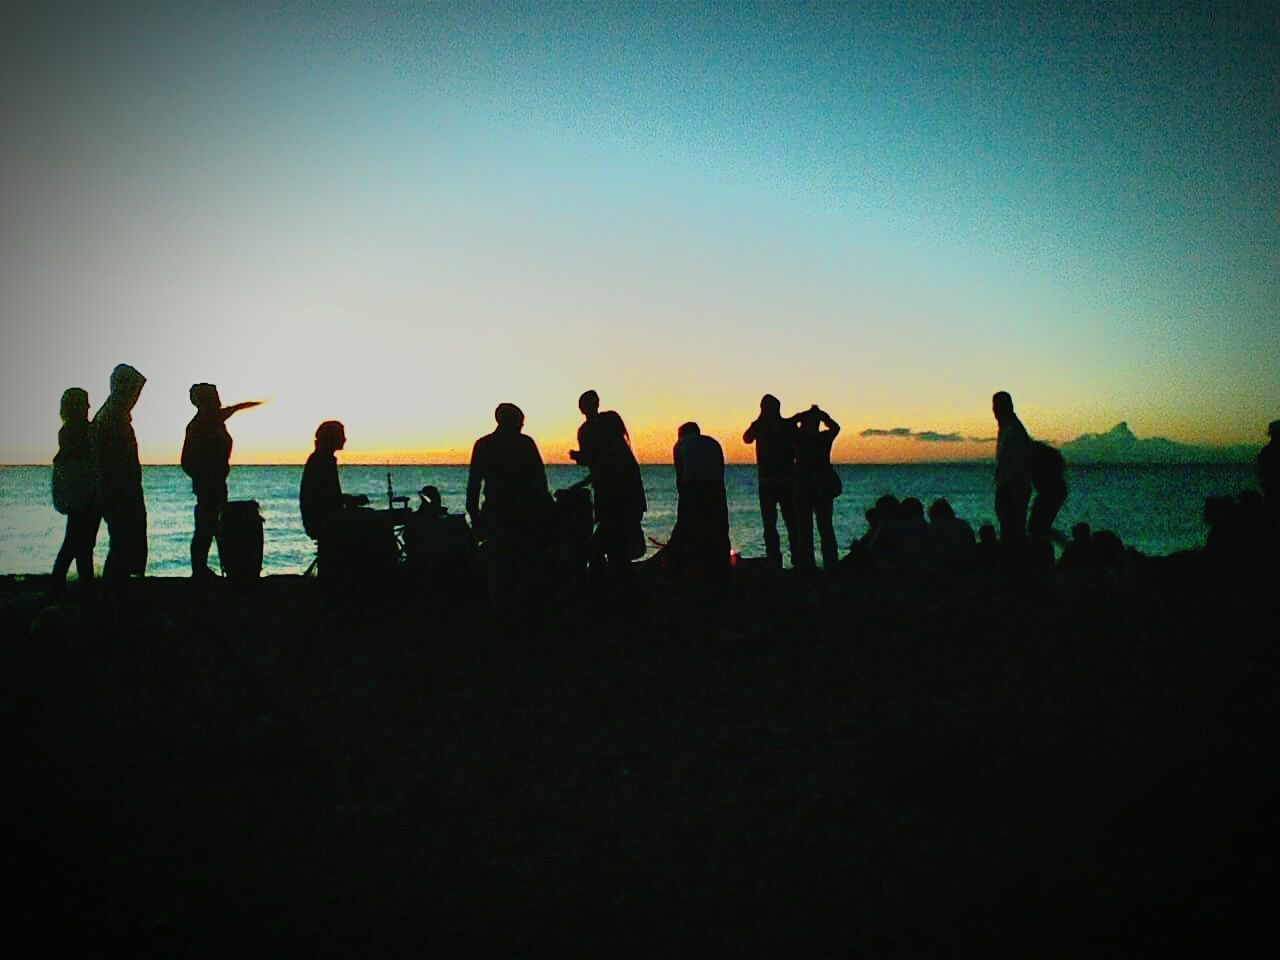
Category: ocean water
<point>1156,509</point>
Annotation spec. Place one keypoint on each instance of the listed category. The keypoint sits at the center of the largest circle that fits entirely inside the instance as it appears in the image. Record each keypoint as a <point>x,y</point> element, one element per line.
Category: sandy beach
<point>880,765</point>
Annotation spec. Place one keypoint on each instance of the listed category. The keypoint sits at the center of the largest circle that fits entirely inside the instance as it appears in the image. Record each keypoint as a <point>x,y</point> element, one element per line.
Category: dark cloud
<point>924,436</point>
<point>894,432</point>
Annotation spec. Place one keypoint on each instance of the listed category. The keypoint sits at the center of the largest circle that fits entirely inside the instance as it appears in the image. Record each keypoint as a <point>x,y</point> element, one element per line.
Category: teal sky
<point>400,214</point>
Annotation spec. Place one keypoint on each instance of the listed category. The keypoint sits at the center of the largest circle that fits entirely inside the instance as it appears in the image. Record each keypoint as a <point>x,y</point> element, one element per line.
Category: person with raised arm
<point>817,486</point>
<point>206,459</point>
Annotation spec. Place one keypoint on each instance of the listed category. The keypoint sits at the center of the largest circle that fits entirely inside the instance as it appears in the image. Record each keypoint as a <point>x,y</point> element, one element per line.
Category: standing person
<point>206,459</point>
<point>119,481</point>
<point>1268,469</point>
<point>817,486</point>
<point>507,467</point>
<point>1013,473</point>
<point>701,534</point>
<point>620,505</point>
<point>589,405</point>
<point>74,493</point>
<point>1049,477</point>
<point>775,440</point>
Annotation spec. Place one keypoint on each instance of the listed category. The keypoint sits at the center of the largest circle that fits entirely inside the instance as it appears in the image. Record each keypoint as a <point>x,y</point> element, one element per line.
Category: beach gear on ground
<point>240,540</point>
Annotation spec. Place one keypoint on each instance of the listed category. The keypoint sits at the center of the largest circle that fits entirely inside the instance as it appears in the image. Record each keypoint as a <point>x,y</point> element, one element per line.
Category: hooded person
<point>119,479</point>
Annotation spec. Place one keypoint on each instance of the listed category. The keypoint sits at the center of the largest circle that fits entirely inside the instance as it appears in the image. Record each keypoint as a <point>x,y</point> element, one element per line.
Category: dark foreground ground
<point>920,768</point>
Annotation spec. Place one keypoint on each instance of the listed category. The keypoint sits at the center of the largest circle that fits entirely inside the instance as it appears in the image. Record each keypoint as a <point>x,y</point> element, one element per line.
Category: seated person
<point>950,537</point>
<point>988,550</point>
<point>320,496</point>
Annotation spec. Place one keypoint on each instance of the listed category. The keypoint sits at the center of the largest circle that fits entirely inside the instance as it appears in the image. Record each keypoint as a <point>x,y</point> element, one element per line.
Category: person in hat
<point>119,481</point>
<point>206,459</point>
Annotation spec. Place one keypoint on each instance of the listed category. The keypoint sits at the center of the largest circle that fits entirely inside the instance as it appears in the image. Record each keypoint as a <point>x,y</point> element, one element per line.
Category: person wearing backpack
<point>74,493</point>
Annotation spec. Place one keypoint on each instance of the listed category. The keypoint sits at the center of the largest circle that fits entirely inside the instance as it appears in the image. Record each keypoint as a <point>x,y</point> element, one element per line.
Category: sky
<point>400,215</point>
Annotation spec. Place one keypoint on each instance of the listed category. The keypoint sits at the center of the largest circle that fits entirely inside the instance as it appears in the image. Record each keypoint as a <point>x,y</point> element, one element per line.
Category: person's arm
<point>237,407</point>
<point>831,424</point>
<point>188,454</point>
<point>475,479</point>
<point>750,435</point>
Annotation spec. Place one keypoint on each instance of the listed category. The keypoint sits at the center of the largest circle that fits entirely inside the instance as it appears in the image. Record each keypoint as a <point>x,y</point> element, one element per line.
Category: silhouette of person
<point>1079,552</point>
<point>507,467</point>
<point>320,495</point>
<point>775,441</point>
<point>988,549</point>
<point>950,538</point>
<point>206,459</point>
<point>620,503</point>
<point>1013,473</point>
<point>817,486</point>
<point>74,491</point>
<point>701,535</point>
<point>119,481</point>
<point>1048,477</point>
<point>589,405</point>
<point>1268,469</point>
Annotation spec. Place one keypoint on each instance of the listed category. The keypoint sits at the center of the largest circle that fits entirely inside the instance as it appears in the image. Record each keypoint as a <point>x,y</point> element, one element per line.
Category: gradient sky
<point>398,215</point>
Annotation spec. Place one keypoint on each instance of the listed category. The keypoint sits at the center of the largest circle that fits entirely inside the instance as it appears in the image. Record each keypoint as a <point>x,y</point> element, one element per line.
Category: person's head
<point>912,509</point>
<point>610,429</point>
<point>331,436</point>
<point>987,533</point>
<point>1001,405</point>
<point>204,397</point>
<point>940,509</point>
<point>888,508</point>
<point>1273,429</point>
<point>509,417</point>
<point>689,429</point>
<point>75,404</point>
<point>811,419</point>
<point>1081,532</point>
<point>770,405</point>
<point>589,403</point>
<point>126,384</point>
<point>430,497</point>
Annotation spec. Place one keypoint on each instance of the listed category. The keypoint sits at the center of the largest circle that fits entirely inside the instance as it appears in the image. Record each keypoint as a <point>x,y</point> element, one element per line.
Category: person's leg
<point>86,537</point>
<point>209,504</point>
<point>1011,512</point>
<point>823,509</point>
<point>768,492</point>
<point>802,545</point>
<point>787,503</point>
<point>1044,510</point>
<point>62,562</point>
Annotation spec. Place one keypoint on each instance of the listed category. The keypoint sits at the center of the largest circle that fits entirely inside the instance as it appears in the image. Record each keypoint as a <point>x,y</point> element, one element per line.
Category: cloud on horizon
<point>924,436</point>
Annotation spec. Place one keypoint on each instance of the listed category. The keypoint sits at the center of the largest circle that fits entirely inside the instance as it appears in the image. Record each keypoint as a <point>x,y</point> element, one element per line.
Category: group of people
<point>97,477</point>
